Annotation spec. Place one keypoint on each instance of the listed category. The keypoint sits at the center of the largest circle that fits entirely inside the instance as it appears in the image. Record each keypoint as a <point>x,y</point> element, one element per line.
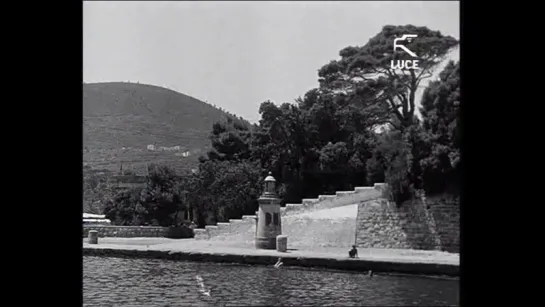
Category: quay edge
<point>347,264</point>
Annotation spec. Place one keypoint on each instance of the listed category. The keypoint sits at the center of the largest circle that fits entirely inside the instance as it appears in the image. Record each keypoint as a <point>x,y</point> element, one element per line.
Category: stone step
<point>324,197</point>
<point>232,221</point>
<point>223,227</point>
<point>343,193</point>
<point>292,206</point>
<point>382,188</point>
<point>248,217</point>
<point>308,201</point>
<point>364,189</point>
<point>212,230</point>
<point>201,234</point>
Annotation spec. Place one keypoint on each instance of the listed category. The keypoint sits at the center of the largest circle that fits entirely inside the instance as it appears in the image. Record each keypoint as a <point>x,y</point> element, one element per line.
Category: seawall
<point>400,266</point>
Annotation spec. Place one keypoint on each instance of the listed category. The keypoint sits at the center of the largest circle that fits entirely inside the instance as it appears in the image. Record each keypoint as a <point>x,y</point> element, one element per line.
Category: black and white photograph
<point>271,153</point>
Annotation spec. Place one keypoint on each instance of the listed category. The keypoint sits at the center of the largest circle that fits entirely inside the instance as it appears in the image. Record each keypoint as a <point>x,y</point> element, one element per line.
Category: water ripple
<point>147,282</point>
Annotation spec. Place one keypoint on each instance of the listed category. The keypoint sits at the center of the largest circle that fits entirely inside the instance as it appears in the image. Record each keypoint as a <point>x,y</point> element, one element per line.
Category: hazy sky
<point>238,54</point>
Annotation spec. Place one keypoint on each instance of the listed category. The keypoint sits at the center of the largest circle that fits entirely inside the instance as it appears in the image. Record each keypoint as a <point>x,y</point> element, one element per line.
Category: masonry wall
<point>139,231</point>
<point>431,223</point>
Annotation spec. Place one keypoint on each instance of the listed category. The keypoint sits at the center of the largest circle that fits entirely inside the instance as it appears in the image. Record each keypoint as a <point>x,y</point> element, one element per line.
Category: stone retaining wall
<point>361,265</point>
<point>426,224</point>
<point>138,231</point>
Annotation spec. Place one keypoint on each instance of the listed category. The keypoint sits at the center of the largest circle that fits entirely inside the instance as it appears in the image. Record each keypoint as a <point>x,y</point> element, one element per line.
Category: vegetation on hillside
<point>121,119</point>
<point>95,189</point>
<point>327,140</point>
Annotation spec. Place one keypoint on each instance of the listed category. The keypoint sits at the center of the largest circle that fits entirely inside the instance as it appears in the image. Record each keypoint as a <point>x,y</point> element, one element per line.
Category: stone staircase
<point>244,229</point>
<point>341,198</point>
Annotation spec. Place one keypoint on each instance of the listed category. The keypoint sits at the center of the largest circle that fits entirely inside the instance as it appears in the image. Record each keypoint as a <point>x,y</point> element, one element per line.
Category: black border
<point>491,200</point>
<point>47,75</point>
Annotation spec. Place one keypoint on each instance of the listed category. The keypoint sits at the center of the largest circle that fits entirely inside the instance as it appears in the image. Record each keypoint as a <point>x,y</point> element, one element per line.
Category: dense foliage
<point>95,189</point>
<point>357,128</point>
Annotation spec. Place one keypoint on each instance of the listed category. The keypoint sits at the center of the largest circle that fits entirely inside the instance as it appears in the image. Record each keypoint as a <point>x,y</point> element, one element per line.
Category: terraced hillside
<point>327,221</point>
<point>120,120</point>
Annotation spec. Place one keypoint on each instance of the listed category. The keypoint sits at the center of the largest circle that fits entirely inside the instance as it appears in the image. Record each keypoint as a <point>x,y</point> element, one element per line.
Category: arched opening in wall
<point>268,219</point>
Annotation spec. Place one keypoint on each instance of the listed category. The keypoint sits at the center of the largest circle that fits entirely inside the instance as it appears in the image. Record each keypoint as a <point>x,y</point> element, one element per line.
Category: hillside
<point>120,120</point>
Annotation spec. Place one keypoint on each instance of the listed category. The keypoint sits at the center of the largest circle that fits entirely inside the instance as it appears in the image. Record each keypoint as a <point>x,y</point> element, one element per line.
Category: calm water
<point>146,282</point>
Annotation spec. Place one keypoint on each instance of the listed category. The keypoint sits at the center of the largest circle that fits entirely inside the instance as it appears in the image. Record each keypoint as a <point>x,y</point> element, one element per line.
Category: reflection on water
<point>147,282</point>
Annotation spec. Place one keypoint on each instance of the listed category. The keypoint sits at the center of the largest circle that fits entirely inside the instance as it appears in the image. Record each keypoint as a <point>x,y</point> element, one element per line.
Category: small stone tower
<point>268,216</point>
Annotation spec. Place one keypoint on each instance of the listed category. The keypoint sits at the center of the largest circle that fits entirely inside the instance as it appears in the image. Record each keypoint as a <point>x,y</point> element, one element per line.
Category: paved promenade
<point>386,260</point>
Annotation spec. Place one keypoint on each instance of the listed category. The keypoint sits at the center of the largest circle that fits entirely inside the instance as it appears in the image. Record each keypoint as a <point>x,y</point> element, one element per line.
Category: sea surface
<point>150,282</point>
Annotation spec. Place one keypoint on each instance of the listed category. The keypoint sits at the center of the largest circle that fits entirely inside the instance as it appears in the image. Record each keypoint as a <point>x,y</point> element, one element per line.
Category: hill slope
<point>120,120</point>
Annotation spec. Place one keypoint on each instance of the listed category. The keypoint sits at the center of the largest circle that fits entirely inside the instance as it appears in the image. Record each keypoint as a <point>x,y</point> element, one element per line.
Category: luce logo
<point>398,44</point>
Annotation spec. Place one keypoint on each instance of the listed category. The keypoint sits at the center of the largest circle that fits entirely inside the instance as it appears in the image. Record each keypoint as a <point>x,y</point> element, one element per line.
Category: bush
<point>180,232</point>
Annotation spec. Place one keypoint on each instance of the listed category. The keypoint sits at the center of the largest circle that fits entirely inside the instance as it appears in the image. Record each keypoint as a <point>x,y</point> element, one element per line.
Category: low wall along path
<point>137,231</point>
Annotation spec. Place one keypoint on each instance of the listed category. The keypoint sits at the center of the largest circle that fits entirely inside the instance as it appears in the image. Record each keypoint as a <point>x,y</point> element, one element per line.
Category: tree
<point>391,164</point>
<point>284,145</point>
<point>300,143</point>
<point>161,196</point>
<point>156,204</point>
<point>96,190</point>
<point>441,121</point>
<point>126,208</point>
<point>225,189</point>
<point>230,140</point>
<point>364,74</point>
<point>281,145</point>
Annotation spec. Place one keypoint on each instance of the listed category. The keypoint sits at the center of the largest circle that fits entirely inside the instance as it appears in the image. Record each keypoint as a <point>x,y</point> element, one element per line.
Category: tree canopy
<point>364,73</point>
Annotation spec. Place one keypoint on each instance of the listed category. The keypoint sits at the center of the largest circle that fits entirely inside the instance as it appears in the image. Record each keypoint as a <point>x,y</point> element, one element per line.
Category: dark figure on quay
<point>353,253</point>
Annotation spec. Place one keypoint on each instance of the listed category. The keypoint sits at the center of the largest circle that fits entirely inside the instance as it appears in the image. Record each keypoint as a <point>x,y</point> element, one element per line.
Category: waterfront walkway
<point>387,260</point>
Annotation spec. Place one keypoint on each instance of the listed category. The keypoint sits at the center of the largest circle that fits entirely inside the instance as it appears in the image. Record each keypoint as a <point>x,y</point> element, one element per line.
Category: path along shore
<point>416,262</point>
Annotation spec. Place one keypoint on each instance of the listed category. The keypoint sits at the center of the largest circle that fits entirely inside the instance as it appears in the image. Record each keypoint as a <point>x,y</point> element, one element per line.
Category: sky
<point>235,55</point>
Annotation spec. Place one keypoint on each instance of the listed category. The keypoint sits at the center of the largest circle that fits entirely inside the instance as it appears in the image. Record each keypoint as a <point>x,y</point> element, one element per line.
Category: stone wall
<point>447,268</point>
<point>427,224</point>
<point>138,231</point>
